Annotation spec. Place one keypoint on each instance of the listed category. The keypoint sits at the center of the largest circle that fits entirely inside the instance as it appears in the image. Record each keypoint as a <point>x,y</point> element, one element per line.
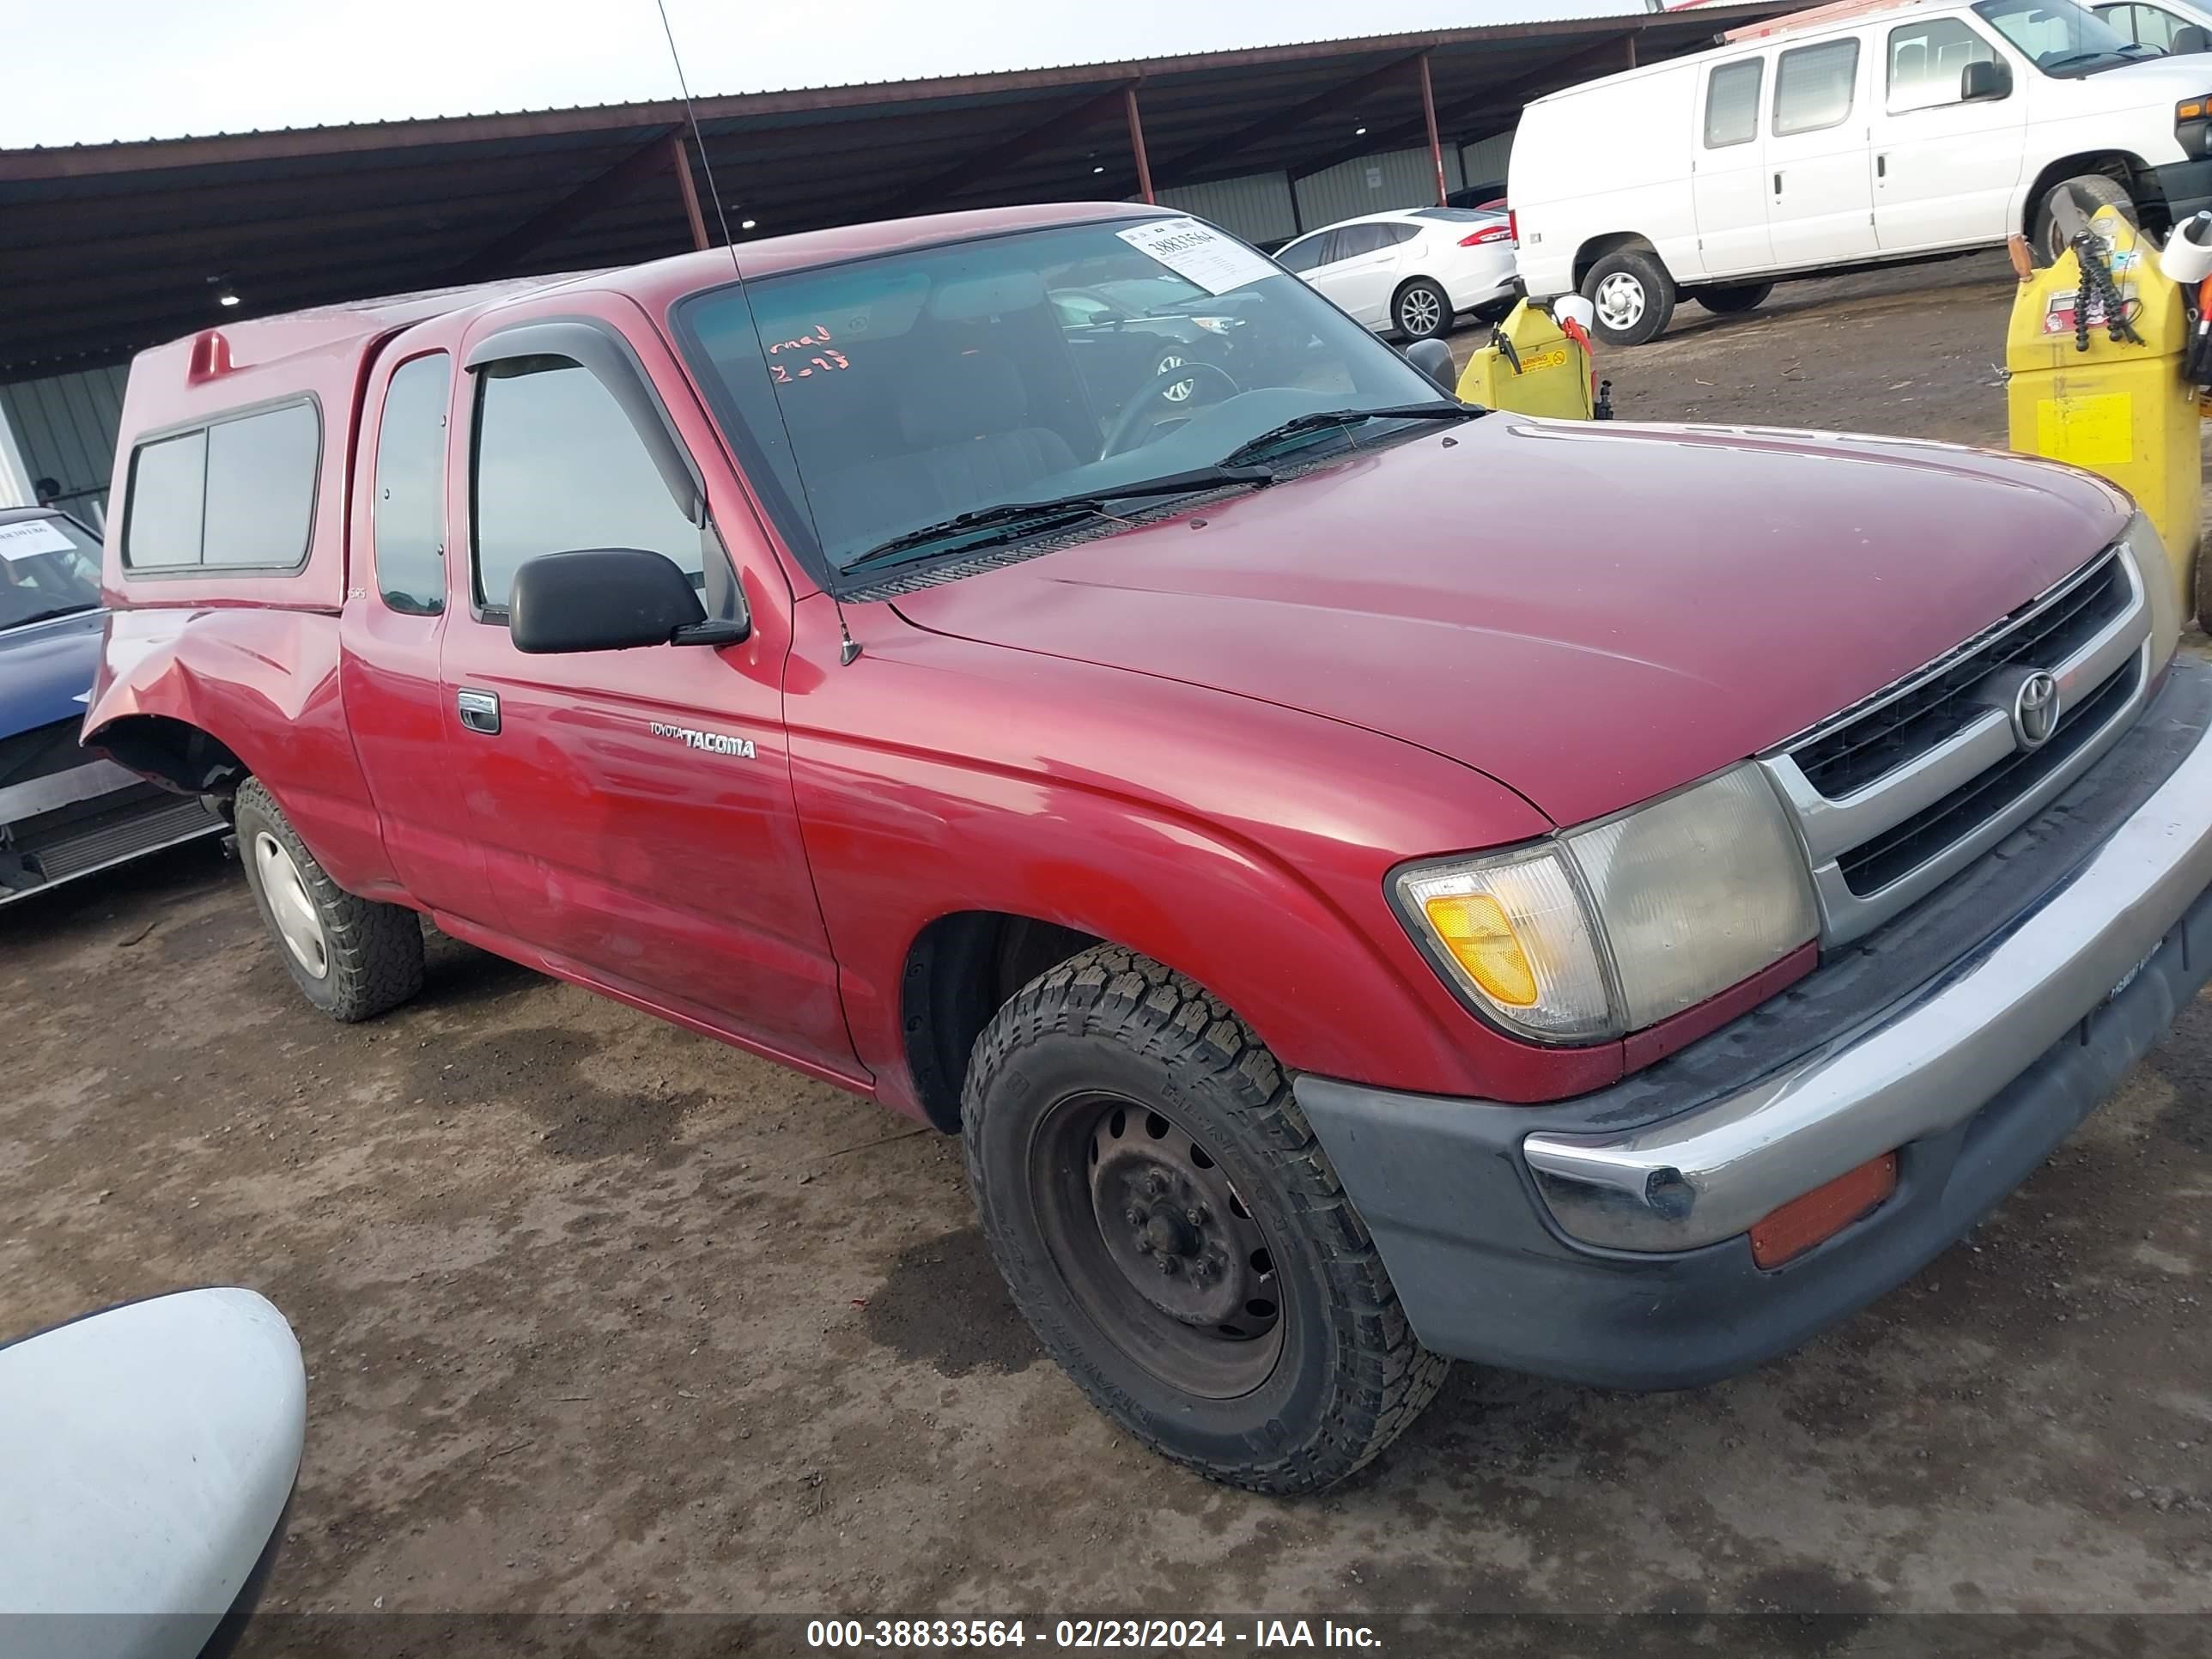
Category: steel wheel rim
<point>1116,1183</point>
<point>1181,389</point>
<point>289,907</point>
<point>1419,311</point>
<point>1619,300</point>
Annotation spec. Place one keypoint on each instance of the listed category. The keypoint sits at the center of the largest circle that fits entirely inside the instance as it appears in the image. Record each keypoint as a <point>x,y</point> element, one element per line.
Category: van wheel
<point>2091,191</point>
<point>1633,296</point>
<point>1727,301</point>
<point>1422,310</point>
<point>352,957</point>
<point>1169,1226</point>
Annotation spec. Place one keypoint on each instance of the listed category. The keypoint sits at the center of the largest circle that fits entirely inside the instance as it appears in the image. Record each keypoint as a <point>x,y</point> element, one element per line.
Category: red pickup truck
<point>1371,879</point>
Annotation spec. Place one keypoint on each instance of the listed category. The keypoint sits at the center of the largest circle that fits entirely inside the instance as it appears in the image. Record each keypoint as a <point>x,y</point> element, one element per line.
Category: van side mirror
<point>1984,81</point>
<point>1434,359</point>
<point>2188,39</point>
<point>607,598</point>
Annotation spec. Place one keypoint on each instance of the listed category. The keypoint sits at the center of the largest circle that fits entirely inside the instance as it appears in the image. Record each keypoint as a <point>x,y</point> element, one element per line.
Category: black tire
<point>371,953</point>
<point>1728,302</point>
<point>1160,1069</point>
<point>1421,310</point>
<point>2091,191</point>
<point>1611,282</point>
<point>2202,582</point>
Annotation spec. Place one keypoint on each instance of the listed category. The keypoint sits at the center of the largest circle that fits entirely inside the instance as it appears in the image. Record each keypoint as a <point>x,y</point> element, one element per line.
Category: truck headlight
<point>1613,927</point>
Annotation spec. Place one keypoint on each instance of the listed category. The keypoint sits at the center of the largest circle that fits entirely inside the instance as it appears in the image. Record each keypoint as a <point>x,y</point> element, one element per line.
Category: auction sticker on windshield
<point>1199,253</point>
<point>33,536</point>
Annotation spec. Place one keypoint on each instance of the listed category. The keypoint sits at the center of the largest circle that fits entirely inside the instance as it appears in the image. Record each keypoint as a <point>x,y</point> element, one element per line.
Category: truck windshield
<point>886,395</point>
<point>48,567</point>
<point>2060,37</point>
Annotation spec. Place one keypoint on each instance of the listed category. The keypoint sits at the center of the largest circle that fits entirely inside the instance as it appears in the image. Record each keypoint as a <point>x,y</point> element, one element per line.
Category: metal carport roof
<point>105,248</point>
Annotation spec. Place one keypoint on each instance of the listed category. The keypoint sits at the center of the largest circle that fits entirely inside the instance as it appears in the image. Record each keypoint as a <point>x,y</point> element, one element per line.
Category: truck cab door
<point>635,807</point>
<point>393,628</point>
<point>1819,208</point>
<point>1728,187</point>
<point>1944,166</point>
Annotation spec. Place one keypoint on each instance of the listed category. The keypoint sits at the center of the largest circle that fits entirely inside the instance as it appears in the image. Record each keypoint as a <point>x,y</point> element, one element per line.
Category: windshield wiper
<point>1453,410</point>
<point>2074,58</point>
<point>1016,518</point>
<point>49,615</point>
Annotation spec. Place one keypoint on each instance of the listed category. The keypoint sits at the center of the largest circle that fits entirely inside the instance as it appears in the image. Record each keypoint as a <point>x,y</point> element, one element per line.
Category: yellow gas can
<point>2117,407</point>
<point>1529,365</point>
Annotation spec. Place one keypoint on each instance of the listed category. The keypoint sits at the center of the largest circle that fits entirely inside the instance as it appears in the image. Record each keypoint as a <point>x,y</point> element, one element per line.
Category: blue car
<point>65,813</point>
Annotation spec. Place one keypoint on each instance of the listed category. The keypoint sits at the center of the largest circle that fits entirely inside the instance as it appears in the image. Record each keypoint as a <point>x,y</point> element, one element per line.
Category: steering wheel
<point>1121,436</point>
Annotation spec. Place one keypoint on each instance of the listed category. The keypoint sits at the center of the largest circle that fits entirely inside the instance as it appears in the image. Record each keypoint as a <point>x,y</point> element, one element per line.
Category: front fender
<point>262,683</point>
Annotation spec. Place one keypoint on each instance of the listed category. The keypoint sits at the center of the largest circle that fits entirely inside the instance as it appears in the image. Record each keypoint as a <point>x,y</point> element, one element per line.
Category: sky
<point>90,71</point>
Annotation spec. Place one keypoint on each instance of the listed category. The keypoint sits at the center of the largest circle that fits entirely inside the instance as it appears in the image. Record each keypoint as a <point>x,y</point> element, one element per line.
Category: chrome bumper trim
<point>1709,1174</point>
<point>94,778</point>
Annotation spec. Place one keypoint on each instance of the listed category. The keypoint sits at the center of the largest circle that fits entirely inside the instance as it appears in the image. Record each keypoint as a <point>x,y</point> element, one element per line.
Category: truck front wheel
<point>352,957</point>
<point>1632,295</point>
<point>1169,1226</point>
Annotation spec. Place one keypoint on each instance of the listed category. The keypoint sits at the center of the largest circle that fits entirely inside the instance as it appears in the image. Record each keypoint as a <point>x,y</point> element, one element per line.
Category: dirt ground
<point>603,1316</point>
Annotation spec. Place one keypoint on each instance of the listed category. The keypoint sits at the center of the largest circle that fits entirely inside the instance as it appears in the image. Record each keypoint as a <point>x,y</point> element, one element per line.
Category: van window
<point>1813,85</point>
<point>1925,59</point>
<point>168,489</point>
<point>560,468</point>
<point>239,493</point>
<point>1732,103</point>
<point>261,488</point>
<point>409,508</point>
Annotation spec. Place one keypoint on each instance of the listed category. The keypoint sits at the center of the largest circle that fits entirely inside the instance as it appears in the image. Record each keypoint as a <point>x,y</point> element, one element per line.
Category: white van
<point>1856,134</point>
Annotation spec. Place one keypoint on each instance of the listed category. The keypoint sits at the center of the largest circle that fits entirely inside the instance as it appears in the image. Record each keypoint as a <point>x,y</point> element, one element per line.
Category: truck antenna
<point>850,649</point>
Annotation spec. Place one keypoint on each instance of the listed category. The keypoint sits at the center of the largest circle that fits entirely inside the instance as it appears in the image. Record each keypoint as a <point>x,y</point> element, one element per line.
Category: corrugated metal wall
<point>65,427</point>
<point>1486,161</point>
<point>1257,207</point>
<point>1398,178</point>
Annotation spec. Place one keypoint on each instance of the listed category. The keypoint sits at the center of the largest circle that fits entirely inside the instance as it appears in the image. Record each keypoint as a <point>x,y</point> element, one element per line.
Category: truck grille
<point>1900,792</point>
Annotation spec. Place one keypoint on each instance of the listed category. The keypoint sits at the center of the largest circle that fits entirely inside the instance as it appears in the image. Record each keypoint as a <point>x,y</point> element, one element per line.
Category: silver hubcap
<point>297,924</point>
<point>1181,389</point>
<point>1419,313</point>
<point>1619,301</point>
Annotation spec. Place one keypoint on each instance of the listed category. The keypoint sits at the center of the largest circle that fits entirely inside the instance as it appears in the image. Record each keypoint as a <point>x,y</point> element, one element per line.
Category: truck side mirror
<point>1434,359</point>
<point>607,598</point>
<point>1984,81</point>
<point>2190,38</point>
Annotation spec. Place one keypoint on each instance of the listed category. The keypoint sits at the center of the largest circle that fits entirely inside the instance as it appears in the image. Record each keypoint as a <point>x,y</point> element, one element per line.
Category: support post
<point>1428,117</point>
<point>1137,144</point>
<point>680,158</point>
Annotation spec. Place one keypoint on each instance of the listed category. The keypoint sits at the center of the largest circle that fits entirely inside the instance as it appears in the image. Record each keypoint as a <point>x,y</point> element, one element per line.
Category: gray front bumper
<point>1603,1238</point>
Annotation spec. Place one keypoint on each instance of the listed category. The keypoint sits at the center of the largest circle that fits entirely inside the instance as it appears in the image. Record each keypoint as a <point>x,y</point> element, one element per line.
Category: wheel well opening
<point>2122,168</point>
<point>173,753</point>
<point>1598,246</point>
<point>960,970</point>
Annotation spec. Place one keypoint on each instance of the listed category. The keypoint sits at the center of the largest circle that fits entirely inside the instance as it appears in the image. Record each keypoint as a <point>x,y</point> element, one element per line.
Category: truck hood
<point>1591,614</point>
<point>46,669</point>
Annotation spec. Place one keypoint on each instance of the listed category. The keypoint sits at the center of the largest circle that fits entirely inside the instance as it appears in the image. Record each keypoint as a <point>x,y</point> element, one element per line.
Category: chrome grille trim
<point>1830,829</point>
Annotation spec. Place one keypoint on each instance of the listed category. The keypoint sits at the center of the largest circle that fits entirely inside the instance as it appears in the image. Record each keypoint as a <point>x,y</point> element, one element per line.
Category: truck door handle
<point>1882,166</point>
<point>1777,184</point>
<point>479,711</point>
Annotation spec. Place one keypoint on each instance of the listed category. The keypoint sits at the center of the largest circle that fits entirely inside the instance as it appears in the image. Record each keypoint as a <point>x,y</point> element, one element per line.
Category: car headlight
<point>1218,325</point>
<point>1608,928</point>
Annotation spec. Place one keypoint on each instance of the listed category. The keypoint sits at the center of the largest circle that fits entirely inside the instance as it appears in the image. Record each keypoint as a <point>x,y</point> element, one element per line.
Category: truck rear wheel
<point>1169,1226</point>
<point>352,957</point>
<point>1727,301</point>
<point>1633,294</point>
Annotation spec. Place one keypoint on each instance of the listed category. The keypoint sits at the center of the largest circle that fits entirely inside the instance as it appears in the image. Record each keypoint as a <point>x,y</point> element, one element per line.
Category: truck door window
<point>1925,59</point>
<point>1813,86</point>
<point>559,468</point>
<point>409,508</point>
<point>1732,103</point>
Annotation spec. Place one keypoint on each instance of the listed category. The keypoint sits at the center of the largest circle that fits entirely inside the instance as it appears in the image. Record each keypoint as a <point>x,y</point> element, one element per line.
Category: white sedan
<point>1413,269</point>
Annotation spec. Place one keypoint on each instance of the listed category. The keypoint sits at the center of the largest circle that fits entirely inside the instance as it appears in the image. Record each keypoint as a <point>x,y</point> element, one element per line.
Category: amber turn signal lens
<point>2190,110</point>
<point>1474,929</point>
<point>1822,1214</point>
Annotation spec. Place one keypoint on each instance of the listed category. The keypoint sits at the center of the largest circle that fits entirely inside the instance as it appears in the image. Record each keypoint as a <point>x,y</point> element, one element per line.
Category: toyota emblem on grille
<point>2035,710</point>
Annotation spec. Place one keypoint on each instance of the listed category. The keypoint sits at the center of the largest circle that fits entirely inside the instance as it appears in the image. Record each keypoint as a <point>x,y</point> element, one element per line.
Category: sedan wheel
<point>1180,391</point>
<point>1422,311</point>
